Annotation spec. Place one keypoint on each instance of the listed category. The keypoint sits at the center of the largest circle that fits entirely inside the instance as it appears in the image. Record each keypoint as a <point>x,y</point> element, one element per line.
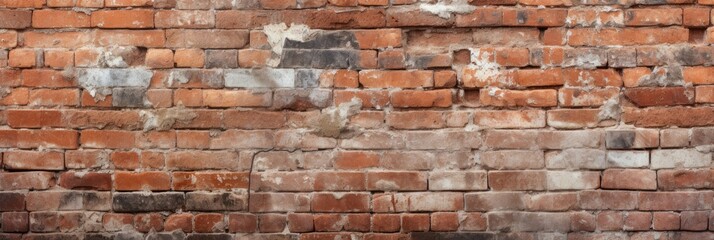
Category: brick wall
<point>356,119</point>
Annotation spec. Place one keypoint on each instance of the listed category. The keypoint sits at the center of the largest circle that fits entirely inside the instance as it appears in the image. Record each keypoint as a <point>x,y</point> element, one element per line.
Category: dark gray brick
<point>206,201</point>
<point>128,97</point>
<point>141,202</point>
<point>621,139</point>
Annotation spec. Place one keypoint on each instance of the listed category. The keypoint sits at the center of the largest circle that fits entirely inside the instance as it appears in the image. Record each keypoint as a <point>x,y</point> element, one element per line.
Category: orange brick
<point>511,98</point>
<point>143,181</point>
<point>435,98</point>
<point>704,94</point>
<point>54,97</point>
<point>254,58</point>
<point>192,58</point>
<point>123,19</point>
<point>22,58</point>
<point>377,39</point>
<point>59,19</point>
<point>404,79</point>
<point>160,58</point>
<point>696,17</point>
<point>645,17</point>
<point>8,39</point>
<point>59,59</point>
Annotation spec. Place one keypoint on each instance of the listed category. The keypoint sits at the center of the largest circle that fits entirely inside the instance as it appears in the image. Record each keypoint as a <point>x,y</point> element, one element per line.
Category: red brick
<point>610,220</point>
<point>194,58</point>
<point>444,221</point>
<point>271,223</point>
<point>184,19</point>
<point>108,139</point>
<point>637,221</point>
<point>22,58</point>
<point>339,181</point>
<point>128,3</point>
<point>340,202</point>
<point>631,179</point>
<point>17,96</point>
<point>694,220</point>
<point>643,17</point>
<point>627,36</point>
<point>15,222</point>
<point>517,180</point>
<point>208,223</point>
<point>578,97</point>
<point>54,97</point>
<point>160,58</point>
<point>298,222</point>
<point>647,97</point>
<point>403,79</point>
<point>16,19</point>
<point>696,17</point>
<point>253,119</point>
<point>139,38</point>
<point>386,223</point>
<point>59,19</point>
<point>86,180</point>
<point>59,59</point>
<point>415,98</point>
<point>416,120</point>
<point>473,221</point>
<point>117,221</point>
<point>206,38</point>
<point>34,118</point>
<point>179,221</point>
<point>370,98</point>
<point>152,181</point>
<point>123,19</point>
<point>378,39</point>
<point>511,98</point>
<point>672,116</point>
<point>12,201</point>
<point>685,179</point>
<point>418,222</point>
<point>30,160</point>
<point>209,180</point>
<point>535,17</point>
<point>26,180</point>
<point>239,98</point>
<point>148,222</point>
<point>242,223</point>
<point>62,139</point>
<point>356,160</point>
<point>665,221</point>
<point>673,201</point>
<point>403,181</point>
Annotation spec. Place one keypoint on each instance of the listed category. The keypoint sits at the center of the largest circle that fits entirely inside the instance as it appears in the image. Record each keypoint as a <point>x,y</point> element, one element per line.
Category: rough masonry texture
<point>357,119</point>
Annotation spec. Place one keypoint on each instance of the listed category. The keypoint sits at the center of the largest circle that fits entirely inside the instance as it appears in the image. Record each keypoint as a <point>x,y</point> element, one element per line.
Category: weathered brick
<point>206,38</point>
<point>629,179</point>
<point>136,202</point>
<point>15,19</point>
<point>679,158</point>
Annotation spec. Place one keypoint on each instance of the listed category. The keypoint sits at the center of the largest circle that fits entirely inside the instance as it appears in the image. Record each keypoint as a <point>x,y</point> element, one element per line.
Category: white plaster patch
<point>278,33</point>
<point>260,78</point>
<point>446,9</point>
<point>99,81</point>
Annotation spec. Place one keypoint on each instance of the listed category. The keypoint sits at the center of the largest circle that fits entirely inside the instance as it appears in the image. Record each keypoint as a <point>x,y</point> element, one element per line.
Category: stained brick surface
<point>356,119</point>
